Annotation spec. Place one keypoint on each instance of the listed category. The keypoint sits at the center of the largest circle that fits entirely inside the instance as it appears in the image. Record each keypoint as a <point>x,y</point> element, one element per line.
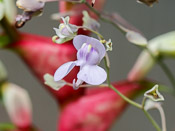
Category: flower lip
<point>88,54</point>
<point>79,40</point>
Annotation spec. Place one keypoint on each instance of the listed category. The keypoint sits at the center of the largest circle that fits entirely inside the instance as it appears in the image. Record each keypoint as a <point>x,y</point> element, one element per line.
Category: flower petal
<point>30,5</point>
<point>136,38</point>
<point>49,80</point>
<point>63,70</point>
<point>92,74</point>
<point>79,40</point>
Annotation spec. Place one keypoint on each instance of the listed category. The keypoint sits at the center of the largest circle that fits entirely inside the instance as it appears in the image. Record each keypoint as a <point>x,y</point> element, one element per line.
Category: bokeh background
<point>151,21</point>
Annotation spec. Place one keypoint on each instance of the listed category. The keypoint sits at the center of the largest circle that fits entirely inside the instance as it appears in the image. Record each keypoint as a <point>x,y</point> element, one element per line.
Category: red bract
<point>97,109</point>
<point>44,56</point>
<point>26,129</point>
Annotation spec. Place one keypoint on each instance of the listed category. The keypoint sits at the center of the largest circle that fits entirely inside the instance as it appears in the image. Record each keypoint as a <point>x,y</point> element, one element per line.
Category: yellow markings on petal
<point>61,26</point>
<point>89,47</point>
<point>103,41</point>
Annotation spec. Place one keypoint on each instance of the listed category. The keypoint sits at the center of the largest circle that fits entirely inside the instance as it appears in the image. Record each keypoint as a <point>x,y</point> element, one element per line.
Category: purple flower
<point>90,53</point>
<point>66,31</point>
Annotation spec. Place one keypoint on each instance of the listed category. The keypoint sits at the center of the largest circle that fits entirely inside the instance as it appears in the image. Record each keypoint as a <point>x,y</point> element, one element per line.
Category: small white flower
<point>109,45</point>
<point>66,31</point>
<point>90,22</point>
<point>49,80</point>
<point>154,94</point>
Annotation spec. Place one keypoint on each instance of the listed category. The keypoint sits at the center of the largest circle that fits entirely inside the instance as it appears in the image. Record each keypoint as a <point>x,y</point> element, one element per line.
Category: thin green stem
<point>117,91</point>
<point>87,85</point>
<point>163,66</point>
<point>101,16</point>
<point>152,120</point>
<point>143,102</point>
<point>130,101</point>
<point>125,98</point>
<point>167,72</point>
<point>93,31</point>
<point>9,30</point>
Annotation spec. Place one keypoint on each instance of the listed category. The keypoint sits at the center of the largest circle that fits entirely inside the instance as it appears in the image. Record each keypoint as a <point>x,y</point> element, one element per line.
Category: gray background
<point>151,21</point>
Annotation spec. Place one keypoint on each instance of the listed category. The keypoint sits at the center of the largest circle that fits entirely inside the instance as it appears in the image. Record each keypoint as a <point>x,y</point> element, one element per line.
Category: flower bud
<point>163,45</point>
<point>8,9</point>
<point>90,22</point>
<point>154,94</point>
<point>18,105</point>
<point>30,5</point>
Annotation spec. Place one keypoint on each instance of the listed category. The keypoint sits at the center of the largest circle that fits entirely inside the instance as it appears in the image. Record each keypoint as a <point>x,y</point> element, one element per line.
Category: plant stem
<point>87,85</point>
<point>162,114</point>
<point>167,72</point>
<point>93,31</point>
<point>107,69</point>
<point>117,91</point>
<point>130,101</point>
<point>152,120</point>
<point>101,16</point>
<point>9,30</point>
<point>163,66</point>
<point>143,102</point>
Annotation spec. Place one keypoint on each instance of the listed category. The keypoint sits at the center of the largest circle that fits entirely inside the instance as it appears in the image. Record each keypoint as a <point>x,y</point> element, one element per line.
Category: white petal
<point>136,38</point>
<point>92,74</point>
<point>63,70</point>
<point>49,80</point>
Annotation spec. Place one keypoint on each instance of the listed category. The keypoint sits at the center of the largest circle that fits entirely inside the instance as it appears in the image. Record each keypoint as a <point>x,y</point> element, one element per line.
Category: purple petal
<point>63,70</point>
<point>79,40</point>
<point>92,74</point>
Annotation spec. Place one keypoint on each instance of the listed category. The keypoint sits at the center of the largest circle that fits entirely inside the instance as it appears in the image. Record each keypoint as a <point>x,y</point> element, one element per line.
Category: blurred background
<point>151,21</point>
